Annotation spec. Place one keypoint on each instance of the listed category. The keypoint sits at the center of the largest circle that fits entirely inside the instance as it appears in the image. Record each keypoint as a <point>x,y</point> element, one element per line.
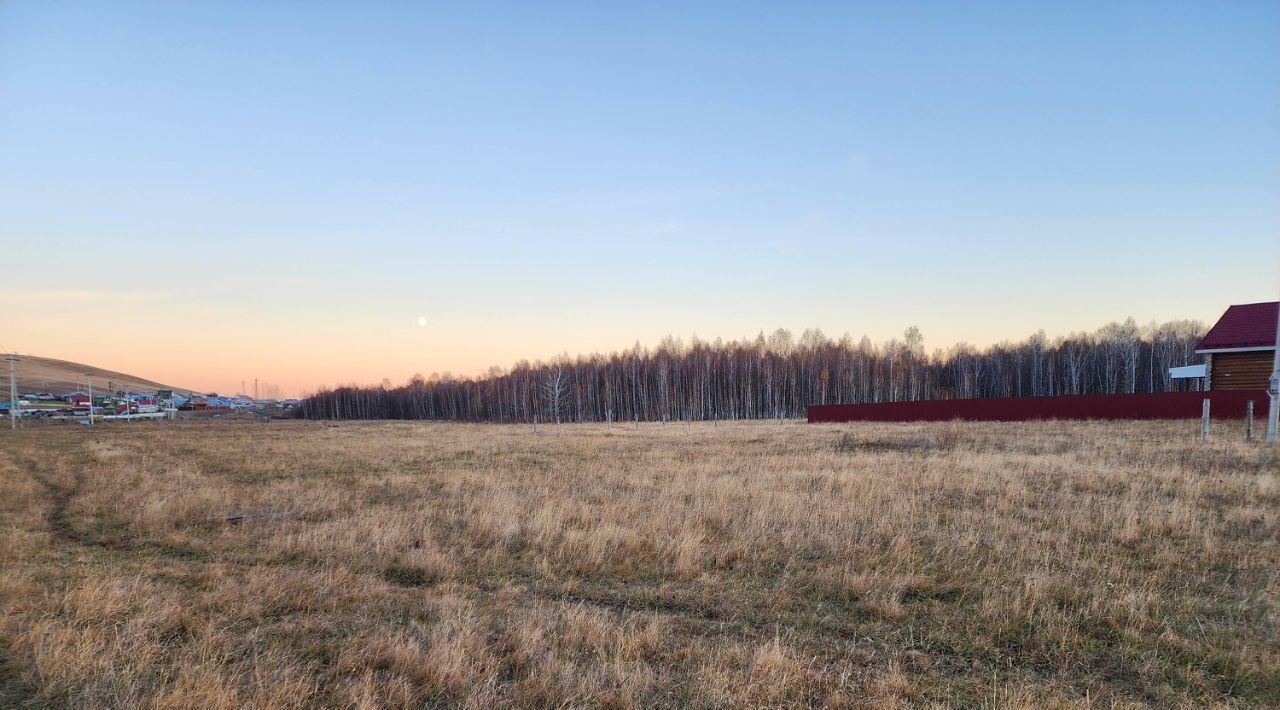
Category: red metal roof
<point>1252,325</point>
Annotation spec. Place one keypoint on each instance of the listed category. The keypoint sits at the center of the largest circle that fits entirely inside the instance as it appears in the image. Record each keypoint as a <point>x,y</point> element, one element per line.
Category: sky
<point>314,193</point>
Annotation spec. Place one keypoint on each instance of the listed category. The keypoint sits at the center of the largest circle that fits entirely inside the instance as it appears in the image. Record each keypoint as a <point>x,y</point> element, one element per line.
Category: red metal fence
<point>1164,405</point>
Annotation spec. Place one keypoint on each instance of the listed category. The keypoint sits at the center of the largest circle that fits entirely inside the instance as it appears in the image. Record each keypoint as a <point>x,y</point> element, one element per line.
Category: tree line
<point>776,376</point>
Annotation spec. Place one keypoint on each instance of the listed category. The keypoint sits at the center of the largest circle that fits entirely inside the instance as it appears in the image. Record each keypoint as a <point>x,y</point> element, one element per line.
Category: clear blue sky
<point>287,178</point>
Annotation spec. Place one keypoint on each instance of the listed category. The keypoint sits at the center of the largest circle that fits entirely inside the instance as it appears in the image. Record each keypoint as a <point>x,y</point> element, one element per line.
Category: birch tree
<point>555,385</point>
<point>774,377</point>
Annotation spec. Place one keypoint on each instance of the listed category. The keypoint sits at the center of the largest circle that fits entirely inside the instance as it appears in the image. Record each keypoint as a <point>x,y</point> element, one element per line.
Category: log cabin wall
<point>1239,371</point>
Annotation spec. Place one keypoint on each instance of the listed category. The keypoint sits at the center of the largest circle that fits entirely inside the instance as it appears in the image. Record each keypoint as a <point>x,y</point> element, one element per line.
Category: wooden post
<point>1204,421</point>
<point>1248,420</point>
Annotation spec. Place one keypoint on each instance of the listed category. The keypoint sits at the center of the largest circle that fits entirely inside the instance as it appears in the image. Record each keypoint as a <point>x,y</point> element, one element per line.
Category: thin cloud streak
<point>78,296</point>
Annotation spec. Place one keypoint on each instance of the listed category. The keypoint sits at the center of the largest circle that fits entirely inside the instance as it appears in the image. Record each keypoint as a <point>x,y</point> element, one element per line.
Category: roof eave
<point>1210,351</point>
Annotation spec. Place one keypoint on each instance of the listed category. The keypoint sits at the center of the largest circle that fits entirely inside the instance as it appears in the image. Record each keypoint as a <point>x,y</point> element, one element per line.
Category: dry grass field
<point>744,565</point>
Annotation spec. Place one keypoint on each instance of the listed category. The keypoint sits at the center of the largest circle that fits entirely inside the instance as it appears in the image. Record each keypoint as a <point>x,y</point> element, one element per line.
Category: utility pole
<point>13,390</point>
<point>255,389</point>
<point>1274,390</point>
<point>89,379</point>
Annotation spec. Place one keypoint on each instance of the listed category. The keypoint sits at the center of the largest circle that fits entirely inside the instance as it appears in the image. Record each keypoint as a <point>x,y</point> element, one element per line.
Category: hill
<point>46,374</point>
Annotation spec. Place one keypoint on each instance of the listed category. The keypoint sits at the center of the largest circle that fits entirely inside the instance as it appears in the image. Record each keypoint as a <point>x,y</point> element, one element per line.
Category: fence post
<point>1248,420</point>
<point>1204,421</point>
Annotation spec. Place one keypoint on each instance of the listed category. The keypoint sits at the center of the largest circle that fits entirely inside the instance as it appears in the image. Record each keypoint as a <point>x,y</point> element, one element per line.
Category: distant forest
<point>776,376</point>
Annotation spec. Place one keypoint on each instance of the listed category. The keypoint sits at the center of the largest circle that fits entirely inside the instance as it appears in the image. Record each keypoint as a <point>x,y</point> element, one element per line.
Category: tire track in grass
<point>15,690</point>
<point>61,495</point>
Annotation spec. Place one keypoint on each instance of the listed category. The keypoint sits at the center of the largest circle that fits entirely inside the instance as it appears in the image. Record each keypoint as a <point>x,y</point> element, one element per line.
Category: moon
<point>422,321</point>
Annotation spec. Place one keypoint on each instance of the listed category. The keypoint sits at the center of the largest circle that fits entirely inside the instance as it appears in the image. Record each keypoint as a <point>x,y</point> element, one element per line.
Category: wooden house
<point>1239,350</point>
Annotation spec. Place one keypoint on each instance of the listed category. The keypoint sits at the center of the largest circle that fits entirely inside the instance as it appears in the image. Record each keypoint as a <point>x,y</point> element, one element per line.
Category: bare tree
<point>555,385</point>
<point>776,377</point>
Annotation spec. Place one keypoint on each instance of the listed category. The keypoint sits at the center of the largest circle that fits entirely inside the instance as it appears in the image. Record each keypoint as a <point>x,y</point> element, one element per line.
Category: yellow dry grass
<point>742,565</point>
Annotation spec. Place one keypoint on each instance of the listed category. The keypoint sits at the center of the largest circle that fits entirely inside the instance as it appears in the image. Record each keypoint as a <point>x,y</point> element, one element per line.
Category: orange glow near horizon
<point>156,340</point>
